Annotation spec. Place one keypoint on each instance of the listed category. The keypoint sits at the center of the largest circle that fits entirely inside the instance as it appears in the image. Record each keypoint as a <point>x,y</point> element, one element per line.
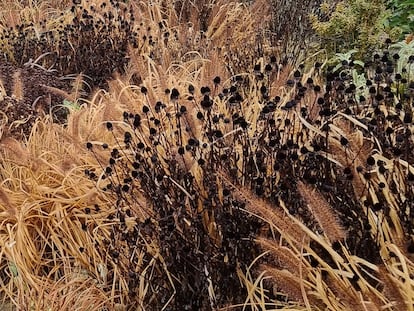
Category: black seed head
<point>370,161</point>
<point>377,206</point>
<point>290,104</point>
<point>205,90</point>
<point>137,121</point>
<point>200,115</point>
<point>174,94</point>
<point>408,118</point>
<point>321,101</point>
<point>206,103</point>
<point>191,89</point>
<point>201,162</point>
<point>382,169</point>
<point>347,171</point>
<point>344,141</point>
<point>410,247</point>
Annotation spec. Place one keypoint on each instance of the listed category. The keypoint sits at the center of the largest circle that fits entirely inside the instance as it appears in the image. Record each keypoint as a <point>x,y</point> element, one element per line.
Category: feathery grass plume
<point>289,284</point>
<point>29,89</point>
<point>353,155</point>
<point>394,292</point>
<point>272,214</point>
<point>396,276</point>
<point>346,295</point>
<point>16,150</point>
<point>323,212</point>
<point>348,158</point>
<point>283,256</point>
<point>17,91</point>
<point>348,283</point>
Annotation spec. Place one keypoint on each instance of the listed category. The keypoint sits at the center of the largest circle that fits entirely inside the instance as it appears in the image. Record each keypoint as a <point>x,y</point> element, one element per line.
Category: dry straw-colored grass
<point>53,253</point>
<point>48,260</point>
<point>330,285</point>
<point>49,243</point>
<point>345,281</point>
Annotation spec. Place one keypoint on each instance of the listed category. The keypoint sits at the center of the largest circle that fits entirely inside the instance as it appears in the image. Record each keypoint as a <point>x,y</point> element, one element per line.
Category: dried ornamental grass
<point>53,223</point>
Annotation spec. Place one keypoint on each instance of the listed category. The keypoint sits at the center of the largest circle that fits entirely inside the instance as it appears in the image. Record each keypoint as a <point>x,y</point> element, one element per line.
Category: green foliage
<point>353,24</point>
<point>357,72</point>
<point>347,66</point>
<point>71,105</point>
<point>402,15</point>
<point>340,58</point>
<point>406,56</point>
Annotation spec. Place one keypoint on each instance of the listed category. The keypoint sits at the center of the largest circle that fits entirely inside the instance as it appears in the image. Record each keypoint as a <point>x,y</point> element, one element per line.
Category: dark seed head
<point>344,141</point>
<point>370,161</point>
<point>174,94</point>
<point>137,120</point>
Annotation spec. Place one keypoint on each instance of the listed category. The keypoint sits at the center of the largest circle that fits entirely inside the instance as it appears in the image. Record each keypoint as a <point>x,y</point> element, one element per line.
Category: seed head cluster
<point>185,155</point>
<point>89,39</point>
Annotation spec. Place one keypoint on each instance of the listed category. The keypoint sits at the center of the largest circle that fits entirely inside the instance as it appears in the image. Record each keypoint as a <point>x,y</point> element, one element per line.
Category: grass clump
<point>86,38</point>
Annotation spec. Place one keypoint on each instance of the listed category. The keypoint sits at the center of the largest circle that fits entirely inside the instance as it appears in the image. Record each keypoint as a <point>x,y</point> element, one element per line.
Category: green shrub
<point>402,15</point>
<point>354,24</point>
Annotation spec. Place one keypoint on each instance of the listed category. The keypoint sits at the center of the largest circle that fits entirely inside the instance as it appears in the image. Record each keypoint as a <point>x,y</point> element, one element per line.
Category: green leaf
<point>71,105</point>
<point>13,269</point>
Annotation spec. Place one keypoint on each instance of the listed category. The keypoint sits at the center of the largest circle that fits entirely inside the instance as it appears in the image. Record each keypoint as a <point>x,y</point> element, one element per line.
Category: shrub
<point>355,24</point>
<point>401,15</point>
